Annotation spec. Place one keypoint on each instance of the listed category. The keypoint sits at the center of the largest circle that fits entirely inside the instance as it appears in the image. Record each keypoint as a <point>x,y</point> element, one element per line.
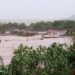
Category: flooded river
<point>9,43</point>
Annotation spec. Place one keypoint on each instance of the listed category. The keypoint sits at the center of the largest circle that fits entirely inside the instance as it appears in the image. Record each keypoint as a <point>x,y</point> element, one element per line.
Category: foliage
<point>39,26</point>
<point>61,24</point>
<point>1,66</point>
<point>54,60</point>
<point>10,26</point>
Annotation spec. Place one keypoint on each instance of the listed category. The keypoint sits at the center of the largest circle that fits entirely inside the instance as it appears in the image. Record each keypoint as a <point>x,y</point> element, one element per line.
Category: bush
<point>53,60</point>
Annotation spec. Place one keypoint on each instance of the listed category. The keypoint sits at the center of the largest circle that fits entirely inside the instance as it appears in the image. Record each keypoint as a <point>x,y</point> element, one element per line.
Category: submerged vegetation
<point>55,60</point>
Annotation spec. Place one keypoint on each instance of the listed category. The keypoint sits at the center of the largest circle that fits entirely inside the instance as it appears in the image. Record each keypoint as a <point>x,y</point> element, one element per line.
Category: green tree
<point>53,60</point>
<point>22,26</point>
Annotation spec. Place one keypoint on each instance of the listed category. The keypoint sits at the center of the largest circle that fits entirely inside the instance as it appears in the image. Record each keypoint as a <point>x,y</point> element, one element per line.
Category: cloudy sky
<point>36,9</point>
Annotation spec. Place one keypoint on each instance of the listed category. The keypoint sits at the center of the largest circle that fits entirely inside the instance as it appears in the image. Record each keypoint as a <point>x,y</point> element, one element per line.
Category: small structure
<point>41,32</point>
<point>15,31</point>
<point>54,33</point>
<point>7,32</point>
<point>27,33</point>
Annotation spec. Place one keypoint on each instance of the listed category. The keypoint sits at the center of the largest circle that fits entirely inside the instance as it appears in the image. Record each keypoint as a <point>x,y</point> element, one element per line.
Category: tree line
<point>11,26</point>
<point>39,26</point>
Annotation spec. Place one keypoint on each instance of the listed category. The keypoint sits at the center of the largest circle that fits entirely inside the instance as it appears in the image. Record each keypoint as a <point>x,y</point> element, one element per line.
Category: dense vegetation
<point>11,26</point>
<point>55,60</point>
<point>63,24</point>
<point>39,26</point>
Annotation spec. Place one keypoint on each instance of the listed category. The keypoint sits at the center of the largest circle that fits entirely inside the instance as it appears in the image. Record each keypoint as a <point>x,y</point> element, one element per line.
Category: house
<point>55,33</point>
<point>15,31</point>
<point>41,32</point>
<point>52,33</point>
<point>7,32</point>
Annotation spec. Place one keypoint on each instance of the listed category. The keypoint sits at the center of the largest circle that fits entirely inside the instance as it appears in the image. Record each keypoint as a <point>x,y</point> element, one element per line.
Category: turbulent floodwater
<point>10,43</point>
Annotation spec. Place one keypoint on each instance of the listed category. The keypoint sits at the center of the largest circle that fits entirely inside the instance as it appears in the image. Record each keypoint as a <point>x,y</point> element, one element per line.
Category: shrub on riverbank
<point>54,60</point>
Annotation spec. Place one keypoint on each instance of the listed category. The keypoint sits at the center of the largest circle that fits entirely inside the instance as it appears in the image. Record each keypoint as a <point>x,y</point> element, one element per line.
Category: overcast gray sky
<point>36,9</point>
